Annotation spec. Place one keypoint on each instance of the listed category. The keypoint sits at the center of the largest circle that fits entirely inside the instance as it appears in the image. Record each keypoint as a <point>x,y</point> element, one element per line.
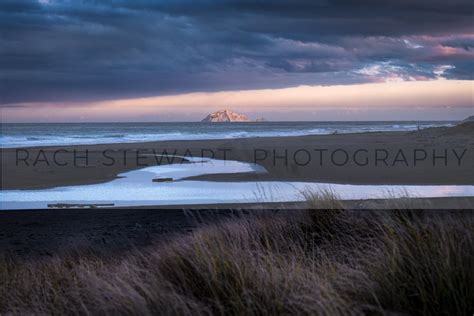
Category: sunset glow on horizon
<point>452,99</point>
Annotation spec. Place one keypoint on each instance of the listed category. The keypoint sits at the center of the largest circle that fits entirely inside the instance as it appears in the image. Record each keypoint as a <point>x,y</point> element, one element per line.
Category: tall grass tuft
<point>425,265</point>
<point>323,199</point>
<point>336,262</point>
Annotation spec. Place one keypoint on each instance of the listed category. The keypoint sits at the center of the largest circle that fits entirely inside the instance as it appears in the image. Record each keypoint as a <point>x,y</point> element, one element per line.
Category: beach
<point>45,232</point>
<point>442,155</point>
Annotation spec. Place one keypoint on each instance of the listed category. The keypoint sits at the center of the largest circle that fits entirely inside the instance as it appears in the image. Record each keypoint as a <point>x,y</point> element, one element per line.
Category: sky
<point>137,60</point>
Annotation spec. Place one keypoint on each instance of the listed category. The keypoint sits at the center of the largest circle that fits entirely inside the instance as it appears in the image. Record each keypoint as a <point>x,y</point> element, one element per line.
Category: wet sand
<point>47,232</point>
<point>430,156</point>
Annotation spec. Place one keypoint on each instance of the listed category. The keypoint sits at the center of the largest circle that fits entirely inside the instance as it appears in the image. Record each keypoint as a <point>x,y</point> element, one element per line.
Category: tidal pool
<point>136,188</point>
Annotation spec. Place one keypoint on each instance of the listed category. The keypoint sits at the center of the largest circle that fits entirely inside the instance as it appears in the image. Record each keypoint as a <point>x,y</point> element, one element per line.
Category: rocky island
<point>227,116</point>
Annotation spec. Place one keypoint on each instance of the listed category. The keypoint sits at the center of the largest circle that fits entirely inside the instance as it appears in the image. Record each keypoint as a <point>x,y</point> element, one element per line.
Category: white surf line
<point>135,188</point>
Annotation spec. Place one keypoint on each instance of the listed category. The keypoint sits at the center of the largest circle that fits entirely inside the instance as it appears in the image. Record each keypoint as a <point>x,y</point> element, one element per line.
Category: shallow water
<point>136,188</point>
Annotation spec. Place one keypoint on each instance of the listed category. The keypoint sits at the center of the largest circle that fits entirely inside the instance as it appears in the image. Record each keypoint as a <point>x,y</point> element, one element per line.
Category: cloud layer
<point>61,50</point>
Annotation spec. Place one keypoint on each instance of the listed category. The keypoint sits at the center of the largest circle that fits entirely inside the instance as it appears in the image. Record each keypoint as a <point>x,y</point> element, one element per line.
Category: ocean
<point>43,134</point>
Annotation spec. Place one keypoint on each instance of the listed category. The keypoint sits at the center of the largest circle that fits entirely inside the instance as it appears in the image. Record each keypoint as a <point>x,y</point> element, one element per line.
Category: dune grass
<point>335,262</point>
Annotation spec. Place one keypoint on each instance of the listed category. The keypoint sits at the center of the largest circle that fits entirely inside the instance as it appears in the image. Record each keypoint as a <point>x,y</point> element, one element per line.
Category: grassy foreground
<point>334,262</point>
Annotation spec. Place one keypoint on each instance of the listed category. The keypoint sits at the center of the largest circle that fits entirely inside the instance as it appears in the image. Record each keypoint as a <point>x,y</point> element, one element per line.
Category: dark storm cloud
<point>306,19</point>
<point>467,43</point>
<point>84,50</point>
